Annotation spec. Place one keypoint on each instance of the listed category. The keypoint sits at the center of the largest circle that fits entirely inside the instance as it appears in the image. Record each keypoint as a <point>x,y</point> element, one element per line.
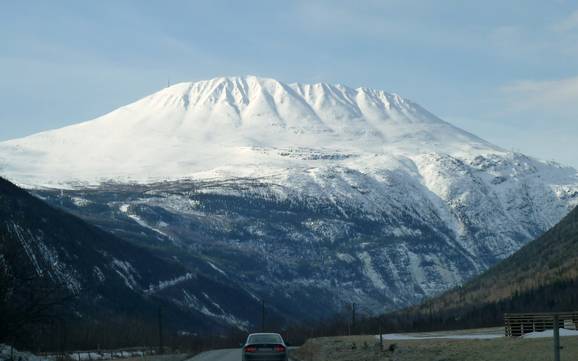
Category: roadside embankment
<point>367,348</point>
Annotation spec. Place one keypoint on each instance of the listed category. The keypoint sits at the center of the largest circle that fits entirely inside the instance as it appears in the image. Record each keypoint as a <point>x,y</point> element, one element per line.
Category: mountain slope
<point>541,277</point>
<point>542,263</point>
<point>106,275</point>
<point>336,194</point>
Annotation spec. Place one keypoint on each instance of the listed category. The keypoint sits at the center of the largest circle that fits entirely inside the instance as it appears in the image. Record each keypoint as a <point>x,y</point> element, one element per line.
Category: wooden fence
<point>519,324</point>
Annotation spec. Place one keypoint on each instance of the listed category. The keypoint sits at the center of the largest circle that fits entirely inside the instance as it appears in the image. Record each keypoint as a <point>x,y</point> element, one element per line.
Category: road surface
<point>229,354</point>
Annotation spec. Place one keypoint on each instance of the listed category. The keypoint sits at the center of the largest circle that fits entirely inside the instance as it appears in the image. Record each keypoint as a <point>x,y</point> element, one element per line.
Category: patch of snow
<point>126,271</point>
<point>370,271</point>
<point>98,274</point>
<point>6,353</point>
<point>550,333</point>
<point>345,257</point>
<point>45,260</point>
<point>192,301</point>
<point>169,283</point>
<point>25,241</point>
<point>141,222</point>
<point>217,268</point>
<point>401,337</point>
<point>80,202</point>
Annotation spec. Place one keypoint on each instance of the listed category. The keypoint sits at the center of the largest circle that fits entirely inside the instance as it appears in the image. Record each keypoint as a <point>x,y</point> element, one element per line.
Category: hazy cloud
<point>559,96</point>
<point>567,24</point>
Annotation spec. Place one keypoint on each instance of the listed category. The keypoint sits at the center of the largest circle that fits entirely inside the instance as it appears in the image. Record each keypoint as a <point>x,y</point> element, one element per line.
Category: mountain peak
<point>194,126</point>
<point>251,83</point>
<point>225,82</point>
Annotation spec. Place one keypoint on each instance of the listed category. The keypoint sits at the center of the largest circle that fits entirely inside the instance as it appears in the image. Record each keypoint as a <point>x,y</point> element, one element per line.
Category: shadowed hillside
<point>58,270</point>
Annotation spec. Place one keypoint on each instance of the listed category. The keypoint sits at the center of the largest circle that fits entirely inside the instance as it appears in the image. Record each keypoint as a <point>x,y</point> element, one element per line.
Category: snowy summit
<point>235,125</point>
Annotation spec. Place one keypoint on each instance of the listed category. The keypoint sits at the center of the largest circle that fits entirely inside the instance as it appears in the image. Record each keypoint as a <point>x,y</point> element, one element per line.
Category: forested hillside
<point>60,275</point>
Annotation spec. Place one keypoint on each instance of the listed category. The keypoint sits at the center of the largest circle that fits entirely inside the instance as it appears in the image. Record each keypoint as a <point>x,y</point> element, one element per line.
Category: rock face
<point>316,195</point>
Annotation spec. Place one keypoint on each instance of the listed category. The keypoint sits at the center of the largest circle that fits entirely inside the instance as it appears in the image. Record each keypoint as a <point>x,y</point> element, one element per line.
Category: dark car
<point>265,347</point>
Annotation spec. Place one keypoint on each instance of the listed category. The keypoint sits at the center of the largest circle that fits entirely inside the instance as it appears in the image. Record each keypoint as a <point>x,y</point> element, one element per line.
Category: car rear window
<point>264,339</point>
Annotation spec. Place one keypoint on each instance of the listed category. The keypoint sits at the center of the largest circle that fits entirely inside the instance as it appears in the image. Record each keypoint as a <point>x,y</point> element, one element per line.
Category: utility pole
<point>556,338</point>
<point>380,338</point>
<point>353,318</point>
<point>62,337</point>
<point>262,315</point>
<point>161,348</point>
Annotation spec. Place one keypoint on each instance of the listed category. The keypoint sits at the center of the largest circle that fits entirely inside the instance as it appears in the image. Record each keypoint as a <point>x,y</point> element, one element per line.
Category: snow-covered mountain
<point>335,193</point>
<point>225,126</point>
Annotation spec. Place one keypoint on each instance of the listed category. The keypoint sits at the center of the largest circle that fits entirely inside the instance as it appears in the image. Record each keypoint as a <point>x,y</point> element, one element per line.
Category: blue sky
<point>504,70</point>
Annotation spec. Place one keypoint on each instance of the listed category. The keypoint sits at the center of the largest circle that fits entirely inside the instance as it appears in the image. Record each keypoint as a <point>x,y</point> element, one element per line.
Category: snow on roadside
<point>407,337</point>
<point>550,333</point>
<point>5,354</point>
<point>479,335</point>
<point>87,355</point>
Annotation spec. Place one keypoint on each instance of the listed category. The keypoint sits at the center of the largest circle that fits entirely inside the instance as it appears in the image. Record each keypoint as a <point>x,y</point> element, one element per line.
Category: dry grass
<point>367,349</point>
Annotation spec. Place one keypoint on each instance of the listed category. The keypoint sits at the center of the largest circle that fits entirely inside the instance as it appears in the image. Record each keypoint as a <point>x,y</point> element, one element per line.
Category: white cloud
<point>393,21</point>
<point>545,116</point>
<point>568,24</point>
<point>559,96</point>
<point>547,139</point>
<point>535,117</point>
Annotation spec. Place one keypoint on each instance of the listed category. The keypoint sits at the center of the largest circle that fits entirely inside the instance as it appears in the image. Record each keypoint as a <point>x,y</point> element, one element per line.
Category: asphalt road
<point>229,354</point>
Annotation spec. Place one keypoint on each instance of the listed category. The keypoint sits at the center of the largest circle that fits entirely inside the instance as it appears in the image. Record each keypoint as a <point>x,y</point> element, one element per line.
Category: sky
<point>506,71</point>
